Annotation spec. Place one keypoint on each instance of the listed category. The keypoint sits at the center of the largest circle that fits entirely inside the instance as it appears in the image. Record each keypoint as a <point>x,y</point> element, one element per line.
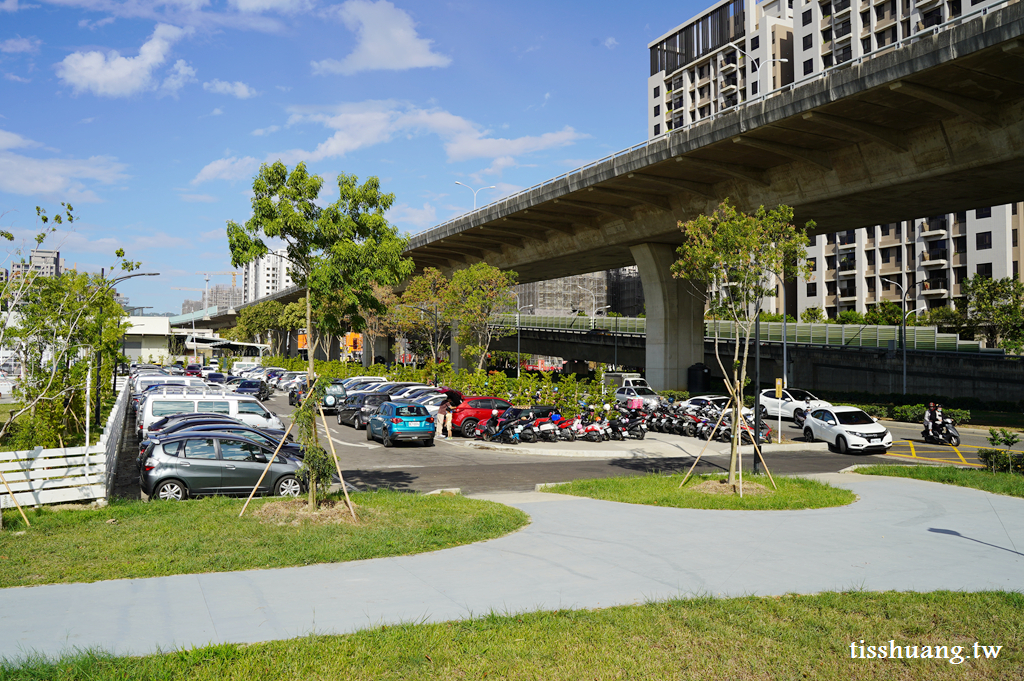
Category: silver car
<point>198,464</point>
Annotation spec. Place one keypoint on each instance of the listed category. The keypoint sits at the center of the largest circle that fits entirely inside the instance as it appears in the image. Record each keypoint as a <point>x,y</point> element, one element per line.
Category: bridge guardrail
<point>847,335</point>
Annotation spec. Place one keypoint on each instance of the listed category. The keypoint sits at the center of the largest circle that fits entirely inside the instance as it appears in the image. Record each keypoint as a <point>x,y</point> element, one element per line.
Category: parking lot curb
<point>572,453</point>
<point>792,447</point>
<point>541,486</point>
<point>445,490</point>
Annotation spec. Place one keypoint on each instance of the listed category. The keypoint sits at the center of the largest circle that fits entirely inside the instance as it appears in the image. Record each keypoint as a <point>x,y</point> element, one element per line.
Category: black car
<point>356,410</point>
<point>258,389</point>
<point>193,464</point>
<point>216,378</point>
<point>334,396</point>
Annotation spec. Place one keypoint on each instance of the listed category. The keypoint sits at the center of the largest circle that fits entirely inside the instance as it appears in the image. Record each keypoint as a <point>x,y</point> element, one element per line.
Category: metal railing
<point>850,335</point>
<point>660,139</point>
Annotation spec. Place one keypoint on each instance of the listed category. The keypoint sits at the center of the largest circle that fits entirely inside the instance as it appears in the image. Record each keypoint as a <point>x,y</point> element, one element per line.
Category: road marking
<point>913,452</point>
<point>924,458</point>
<point>957,450</point>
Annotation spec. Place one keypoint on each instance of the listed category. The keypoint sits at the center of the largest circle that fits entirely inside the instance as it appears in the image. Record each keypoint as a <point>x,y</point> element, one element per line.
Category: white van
<point>244,408</point>
<point>238,367</point>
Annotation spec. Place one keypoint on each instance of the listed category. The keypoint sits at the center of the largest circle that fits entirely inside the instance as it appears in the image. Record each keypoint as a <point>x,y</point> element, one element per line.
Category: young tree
<point>379,324</point>
<point>947,320</point>
<point>261,323</point>
<point>849,317</point>
<point>737,256</point>
<point>812,315</point>
<point>995,307</point>
<point>476,294</point>
<point>886,313</point>
<point>424,311</point>
<point>338,251</point>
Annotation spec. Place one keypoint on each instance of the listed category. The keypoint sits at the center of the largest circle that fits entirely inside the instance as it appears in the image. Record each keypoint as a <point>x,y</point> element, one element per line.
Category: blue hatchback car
<point>395,421</point>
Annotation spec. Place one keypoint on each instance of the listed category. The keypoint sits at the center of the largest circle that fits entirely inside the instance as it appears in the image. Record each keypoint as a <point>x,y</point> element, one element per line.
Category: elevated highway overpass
<point>935,124</point>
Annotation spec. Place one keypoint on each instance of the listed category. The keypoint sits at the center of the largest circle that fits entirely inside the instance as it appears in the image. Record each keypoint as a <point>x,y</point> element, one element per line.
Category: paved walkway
<point>577,553</point>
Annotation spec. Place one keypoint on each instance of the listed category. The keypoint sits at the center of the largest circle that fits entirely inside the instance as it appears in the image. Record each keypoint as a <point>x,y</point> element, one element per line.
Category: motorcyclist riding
<point>932,417</point>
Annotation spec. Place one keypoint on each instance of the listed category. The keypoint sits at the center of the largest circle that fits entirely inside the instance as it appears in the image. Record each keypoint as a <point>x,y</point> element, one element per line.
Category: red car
<point>473,410</point>
<point>194,370</point>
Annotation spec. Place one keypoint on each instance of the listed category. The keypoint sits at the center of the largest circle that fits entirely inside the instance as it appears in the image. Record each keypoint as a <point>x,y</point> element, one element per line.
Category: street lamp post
<point>903,327</point>
<point>474,191</point>
<point>99,354</point>
<point>519,357</point>
<point>757,67</point>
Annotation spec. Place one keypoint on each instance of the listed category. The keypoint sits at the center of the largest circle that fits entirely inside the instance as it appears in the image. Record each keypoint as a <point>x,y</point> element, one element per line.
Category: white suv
<point>848,429</point>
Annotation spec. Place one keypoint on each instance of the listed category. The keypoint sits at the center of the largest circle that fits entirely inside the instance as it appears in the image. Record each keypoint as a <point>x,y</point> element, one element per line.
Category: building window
<point>1014,236</point>
<point>885,230</point>
<point>984,241</point>
<point>983,213</point>
<point>808,66</point>
<point>960,244</point>
<point>753,88</point>
<point>830,287</point>
<point>1016,269</point>
<point>830,262</point>
<point>657,129</point>
<point>755,42</point>
<point>884,254</point>
<point>812,264</point>
<point>812,290</point>
<point>985,270</point>
<point>657,110</point>
<point>807,18</point>
<point>959,274</point>
<point>657,91</point>
<point>1013,209</point>
<point>871,258</point>
<point>886,285</point>
<point>808,40</point>
<point>865,45</point>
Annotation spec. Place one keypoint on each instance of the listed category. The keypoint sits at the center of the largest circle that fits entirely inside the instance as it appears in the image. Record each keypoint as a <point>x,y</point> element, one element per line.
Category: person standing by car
<point>444,415</point>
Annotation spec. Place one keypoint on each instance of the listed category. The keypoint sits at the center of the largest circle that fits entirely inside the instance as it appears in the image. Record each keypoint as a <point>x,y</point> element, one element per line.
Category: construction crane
<point>214,274</point>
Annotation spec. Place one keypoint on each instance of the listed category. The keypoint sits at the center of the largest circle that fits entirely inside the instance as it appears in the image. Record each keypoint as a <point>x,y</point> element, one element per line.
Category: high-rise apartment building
<point>41,262</point>
<point>718,59</point>
<point>723,57</point>
<point>223,295</point>
<point>265,276</point>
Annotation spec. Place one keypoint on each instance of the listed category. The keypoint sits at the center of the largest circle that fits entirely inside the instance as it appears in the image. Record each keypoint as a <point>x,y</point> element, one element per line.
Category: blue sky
<point>151,117</point>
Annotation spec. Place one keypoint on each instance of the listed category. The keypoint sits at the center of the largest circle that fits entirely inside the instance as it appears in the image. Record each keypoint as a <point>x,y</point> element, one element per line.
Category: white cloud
<point>281,6</point>
<point>111,75</point>
<point>10,140</point>
<point>17,79</point>
<point>404,214</point>
<point>369,123</point>
<point>237,89</point>
<point>11,6</point>
<point>199,198</point>
<point>260,132</point>
<point>610,43</point>
<point>387,40</point>
<point>63,178</point>
<point>93,25</point>
<point>19,44</point>
<point>232,168</point>
<point>216,112</point>
<point>180,75</point>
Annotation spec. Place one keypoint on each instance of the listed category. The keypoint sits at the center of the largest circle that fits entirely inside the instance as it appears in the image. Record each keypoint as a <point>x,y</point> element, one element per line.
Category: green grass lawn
<point>663,490</point>
<point>1009,484</point>
<point>743,639</point>
<point>206,535</point>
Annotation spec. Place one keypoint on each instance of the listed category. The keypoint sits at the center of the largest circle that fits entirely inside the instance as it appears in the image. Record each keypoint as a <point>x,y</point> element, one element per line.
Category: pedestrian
<point>448,420</point>
<point>443,414</point>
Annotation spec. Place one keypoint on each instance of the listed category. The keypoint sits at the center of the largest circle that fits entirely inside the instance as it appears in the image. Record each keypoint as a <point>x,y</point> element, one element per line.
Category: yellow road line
<point>913,452</point>
<point>922,458</point>
<point>955,449</point>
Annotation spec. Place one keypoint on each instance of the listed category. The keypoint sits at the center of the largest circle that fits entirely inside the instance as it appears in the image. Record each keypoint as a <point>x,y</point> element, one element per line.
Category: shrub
<point>911,413</point>
<point>958,415</point>
<point>675,395</point>
<point>877,410</point>
<point>1002,460</point>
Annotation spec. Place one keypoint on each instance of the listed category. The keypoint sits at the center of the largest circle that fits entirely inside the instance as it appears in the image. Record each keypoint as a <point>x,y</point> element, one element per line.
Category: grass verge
<point>790,637</point>
<point>206,535</point>
<point>1009,484</point>
<point>663,490</point>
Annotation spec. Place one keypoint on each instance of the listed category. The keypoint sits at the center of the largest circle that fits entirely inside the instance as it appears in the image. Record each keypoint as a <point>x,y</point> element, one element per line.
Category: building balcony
<point>826,47</point>
<point>865,32</point>
<point>929,233</point>
<point>923,4</point>
<point>935,259</point>
<point>847,295</point>
<point>845,244</point>
<point>959,259</point>
<point>840,6</point>
<point>879,2</point>
<point>727,67</point>
<point>935,288</point>
<point>728,88</point>
<point>845,38</point>
<point>826,21</point>
<point>887,22</point>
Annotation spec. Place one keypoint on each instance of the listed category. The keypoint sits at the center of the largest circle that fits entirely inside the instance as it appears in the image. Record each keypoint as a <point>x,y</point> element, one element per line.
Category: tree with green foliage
<point>476,294</point>
<point>260,323</point>
<point>885,313</point>
<point>336,252</point>
<point>423,312</point>
<point>812,315</point>
<point>948,320</point>
<point>736,257</point>
<point>848,317</point>
<point>995,308</point>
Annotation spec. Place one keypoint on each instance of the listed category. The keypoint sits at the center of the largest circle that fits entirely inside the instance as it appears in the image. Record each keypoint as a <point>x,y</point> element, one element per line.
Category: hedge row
<point>1002,461</point>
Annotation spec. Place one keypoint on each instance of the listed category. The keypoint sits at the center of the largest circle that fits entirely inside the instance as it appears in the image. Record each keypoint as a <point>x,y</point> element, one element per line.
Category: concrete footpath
<point>576,553</point>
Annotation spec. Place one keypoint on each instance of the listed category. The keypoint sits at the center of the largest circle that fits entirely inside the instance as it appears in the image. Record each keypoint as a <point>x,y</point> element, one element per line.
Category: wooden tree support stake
<point>760,456</point>
<point>720,417</point>
<point>337,464</point>
<point>267,468</point>
<point>20,510</point>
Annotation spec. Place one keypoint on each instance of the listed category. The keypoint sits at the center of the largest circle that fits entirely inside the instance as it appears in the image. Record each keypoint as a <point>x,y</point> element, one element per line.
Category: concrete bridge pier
<point>675,317</point>
<point>455,352</point>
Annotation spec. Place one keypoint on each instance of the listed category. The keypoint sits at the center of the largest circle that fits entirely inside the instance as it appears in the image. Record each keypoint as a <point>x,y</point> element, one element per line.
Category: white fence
<point>53,476</point>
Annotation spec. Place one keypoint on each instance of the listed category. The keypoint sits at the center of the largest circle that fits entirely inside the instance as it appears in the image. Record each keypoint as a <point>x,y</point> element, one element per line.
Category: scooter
<point>943,433</point>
